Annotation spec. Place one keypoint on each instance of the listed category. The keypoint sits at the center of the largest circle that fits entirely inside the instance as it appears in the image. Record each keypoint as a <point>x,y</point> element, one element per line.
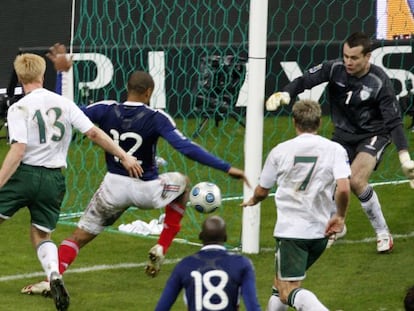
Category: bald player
<point>213,278</point>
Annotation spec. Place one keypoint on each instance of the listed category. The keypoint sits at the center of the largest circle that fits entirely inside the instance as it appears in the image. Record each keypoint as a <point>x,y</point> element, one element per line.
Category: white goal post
<point>253,145</point>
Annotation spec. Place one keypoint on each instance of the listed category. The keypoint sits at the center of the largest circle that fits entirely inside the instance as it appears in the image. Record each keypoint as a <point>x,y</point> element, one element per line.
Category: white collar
<point>213,246</point>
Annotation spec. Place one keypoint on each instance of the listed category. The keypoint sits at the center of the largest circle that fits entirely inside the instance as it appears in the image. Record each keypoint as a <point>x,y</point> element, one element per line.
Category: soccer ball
<point>205,197</point>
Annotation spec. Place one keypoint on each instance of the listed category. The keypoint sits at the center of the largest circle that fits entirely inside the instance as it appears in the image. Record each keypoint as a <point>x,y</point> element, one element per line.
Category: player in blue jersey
<point>213,278</point>
<point>136,127</point>
<point>366,117</point>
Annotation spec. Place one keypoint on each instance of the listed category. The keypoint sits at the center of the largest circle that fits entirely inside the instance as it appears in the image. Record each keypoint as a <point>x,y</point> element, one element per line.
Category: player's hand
<point>335,225</point>
<point>239,174</point>
<point>407,166</point>
<point>408,169</point>
<point>58,56</point>
<point>277,99</point>
<point>250,202</point>
<point>133,167</point>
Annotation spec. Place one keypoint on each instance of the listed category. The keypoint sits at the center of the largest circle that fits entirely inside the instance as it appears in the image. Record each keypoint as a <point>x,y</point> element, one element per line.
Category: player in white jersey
<point>309,171</point>
<point>366,118</point>
<point>40,131</point>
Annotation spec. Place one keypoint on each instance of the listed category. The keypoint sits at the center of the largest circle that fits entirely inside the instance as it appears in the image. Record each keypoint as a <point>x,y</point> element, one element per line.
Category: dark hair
<point>360,38</point>
<point>139,82</point>
<point>213,231</point>
<point>409,299</point>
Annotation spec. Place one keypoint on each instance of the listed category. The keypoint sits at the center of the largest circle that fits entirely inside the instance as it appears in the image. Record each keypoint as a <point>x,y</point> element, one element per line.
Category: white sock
<point>372,208</point>
<point>303,300</point>
<point>47,253</point>
<point>275,304</point>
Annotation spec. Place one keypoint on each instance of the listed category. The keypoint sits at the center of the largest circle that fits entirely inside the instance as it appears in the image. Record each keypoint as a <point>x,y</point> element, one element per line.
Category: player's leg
<point>69,248</point>
<point>274,303</point>
<point>304,300</point>
<point>48,257</point>
<point>46,250</point>
<point>175,192</point>
<point>44,213</point>
<point>106,206</point>
<point>99,214</point>
<point>365,162</point>
<point>293,258</point>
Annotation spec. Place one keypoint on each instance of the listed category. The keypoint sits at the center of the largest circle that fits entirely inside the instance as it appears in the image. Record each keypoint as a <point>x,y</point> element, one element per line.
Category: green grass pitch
<point>109,273</point>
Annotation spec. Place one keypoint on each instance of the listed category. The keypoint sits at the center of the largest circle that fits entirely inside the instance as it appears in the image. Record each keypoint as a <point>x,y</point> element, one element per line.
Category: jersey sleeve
<point>248,288</point>
<point>78,119</point>
<point>188,148</point>
<point>310,78</point>
<point>171,291</point>
<point>269,172</point>
<point>341,168</point>
<point>390,111</point>
<point>17,127</point>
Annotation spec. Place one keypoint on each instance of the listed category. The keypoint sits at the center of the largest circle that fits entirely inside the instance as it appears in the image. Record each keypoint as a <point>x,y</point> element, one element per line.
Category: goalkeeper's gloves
<point>407,166</point>
<point>277,99</point>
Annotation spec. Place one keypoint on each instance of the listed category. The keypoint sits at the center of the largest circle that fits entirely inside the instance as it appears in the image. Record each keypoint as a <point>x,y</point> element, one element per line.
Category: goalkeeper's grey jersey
<point>360,107</point>
<point>305,169</point>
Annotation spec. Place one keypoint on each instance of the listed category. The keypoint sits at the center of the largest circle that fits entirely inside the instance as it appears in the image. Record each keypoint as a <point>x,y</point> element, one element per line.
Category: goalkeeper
<point>366,117</point>
<point>137,128</point>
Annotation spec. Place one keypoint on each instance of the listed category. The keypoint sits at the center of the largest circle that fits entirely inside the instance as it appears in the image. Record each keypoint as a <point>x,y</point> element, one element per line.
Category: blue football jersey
<point>136,128</point>
<point>213,279</point>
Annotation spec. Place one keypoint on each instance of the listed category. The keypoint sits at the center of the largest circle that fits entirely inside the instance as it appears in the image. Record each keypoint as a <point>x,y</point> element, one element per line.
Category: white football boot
<point>336,236</point>
<point>384,242</point>
<point>41,288</point>
<point>156,258</point>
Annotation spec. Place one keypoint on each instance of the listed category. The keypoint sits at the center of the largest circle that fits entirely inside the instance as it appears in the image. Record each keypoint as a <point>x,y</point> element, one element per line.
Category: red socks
<point>174,212</point>
<point>68,250</point>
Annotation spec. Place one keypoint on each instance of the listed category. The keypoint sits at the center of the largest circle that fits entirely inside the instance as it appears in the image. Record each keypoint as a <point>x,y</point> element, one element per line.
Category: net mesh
<point>197,53</point>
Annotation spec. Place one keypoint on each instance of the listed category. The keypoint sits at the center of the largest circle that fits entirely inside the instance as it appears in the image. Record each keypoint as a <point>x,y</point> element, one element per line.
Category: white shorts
<point>117,193</point>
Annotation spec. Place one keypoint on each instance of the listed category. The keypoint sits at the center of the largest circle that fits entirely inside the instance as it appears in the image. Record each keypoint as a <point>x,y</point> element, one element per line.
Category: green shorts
<point>295,256</point>
<point>39,189</point>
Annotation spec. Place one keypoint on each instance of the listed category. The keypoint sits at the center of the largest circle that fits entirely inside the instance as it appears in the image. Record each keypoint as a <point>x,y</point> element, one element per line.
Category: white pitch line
<point>169,261</point>
<point>83,270</point>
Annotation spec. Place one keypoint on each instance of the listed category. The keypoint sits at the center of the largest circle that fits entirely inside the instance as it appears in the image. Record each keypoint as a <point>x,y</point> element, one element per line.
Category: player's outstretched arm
<point>239,174</point>
<point>259,195</point>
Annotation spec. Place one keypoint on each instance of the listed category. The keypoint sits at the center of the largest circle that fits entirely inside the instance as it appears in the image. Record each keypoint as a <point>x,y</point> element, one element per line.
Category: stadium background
<point>350,276</point>
<point>196,39</point>
<point>32,23</point>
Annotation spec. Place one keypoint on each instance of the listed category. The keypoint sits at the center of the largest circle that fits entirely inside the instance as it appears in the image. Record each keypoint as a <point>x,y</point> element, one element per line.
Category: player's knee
<point>184,197</point>
<point>357,185</point>
<point>283,295</point>
<point>285,288</point>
